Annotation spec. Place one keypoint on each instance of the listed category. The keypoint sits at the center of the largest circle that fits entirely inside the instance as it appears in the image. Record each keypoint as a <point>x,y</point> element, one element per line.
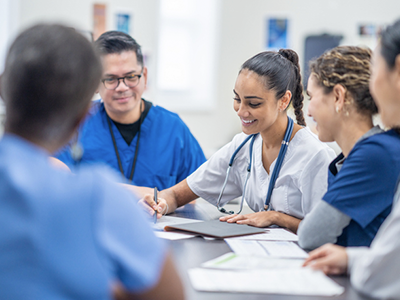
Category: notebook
<point>216,229</point>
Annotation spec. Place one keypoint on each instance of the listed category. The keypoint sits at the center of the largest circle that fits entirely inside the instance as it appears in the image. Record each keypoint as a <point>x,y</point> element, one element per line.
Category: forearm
<point>322,225</point>
<point>285,221</point>
<point>178,195</point>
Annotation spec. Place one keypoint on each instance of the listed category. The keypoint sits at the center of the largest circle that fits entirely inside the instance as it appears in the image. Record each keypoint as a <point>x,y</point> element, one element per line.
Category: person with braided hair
<point>362,179</point>
<point>266,85</point>
<point>374,270</point>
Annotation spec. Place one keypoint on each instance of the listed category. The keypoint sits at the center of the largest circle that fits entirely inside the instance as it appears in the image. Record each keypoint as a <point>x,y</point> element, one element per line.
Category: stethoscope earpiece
<point>223,210</point>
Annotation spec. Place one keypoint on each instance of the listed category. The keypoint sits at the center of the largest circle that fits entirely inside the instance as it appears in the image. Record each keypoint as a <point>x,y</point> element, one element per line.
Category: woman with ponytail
<point>266,85</point>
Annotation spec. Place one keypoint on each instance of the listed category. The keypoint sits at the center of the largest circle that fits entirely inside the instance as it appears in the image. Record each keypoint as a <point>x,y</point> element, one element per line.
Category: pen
<point>155,200</point>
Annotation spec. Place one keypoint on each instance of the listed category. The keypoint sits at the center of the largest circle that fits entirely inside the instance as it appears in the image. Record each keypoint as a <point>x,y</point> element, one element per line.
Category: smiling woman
<point>363,177</point>
<point>280,188</point>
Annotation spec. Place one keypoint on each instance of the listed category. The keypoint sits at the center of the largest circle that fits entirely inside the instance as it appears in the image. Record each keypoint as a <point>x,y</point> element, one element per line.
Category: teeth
<point>247,121</point>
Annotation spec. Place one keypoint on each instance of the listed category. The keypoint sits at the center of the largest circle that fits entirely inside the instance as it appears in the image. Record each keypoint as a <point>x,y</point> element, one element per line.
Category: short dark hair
<point>390,43</point>
<point>111,42</point>
<point>281,72</point>
<point>51,73</point>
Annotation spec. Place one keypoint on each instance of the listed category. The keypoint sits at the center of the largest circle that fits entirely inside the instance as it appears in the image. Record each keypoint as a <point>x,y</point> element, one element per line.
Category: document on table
<point>266,248</point>
<point>299,281</point>
<point>271,234</point>
<point>168,221</point>
<point>232,261</point>
<point>173,235</point>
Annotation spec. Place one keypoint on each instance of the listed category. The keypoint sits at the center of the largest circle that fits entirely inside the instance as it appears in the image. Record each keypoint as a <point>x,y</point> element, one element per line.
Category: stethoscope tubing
<point>275,173</point>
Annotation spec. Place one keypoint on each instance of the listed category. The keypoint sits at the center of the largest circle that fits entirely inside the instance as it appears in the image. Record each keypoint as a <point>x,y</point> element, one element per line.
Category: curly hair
<point>350,67</point>
<point>281,71</point>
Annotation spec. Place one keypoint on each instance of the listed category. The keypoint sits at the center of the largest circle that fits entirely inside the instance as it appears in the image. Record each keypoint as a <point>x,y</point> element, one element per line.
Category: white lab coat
<point>302,180</point>
<point>375,271</point>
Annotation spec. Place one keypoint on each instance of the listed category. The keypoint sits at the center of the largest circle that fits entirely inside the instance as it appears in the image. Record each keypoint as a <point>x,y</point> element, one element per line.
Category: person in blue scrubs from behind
<point>63,235</point>
<point>362,179</point>
<point>149,145</point>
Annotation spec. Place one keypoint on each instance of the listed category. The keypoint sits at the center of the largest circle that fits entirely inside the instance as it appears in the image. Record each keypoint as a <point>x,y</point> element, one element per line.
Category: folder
<point>216,229</point>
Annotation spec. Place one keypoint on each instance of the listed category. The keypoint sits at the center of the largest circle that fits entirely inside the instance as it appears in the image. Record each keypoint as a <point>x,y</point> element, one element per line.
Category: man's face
<point>123,103</point>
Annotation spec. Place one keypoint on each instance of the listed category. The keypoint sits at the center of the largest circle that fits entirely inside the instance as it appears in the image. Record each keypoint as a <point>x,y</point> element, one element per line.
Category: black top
<point>128,131</point>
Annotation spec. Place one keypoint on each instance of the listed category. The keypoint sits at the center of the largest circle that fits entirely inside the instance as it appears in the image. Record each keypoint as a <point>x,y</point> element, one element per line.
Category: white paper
<point>232,261</point>
<point>266,248</point>
<point>170,235</point>
<point>271,234</point>
<point>300,281</point>
<point>168,221</point>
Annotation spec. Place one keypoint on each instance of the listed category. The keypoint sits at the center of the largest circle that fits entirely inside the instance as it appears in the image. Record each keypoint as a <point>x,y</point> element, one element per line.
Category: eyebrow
<point>249,97</point>
<point>308,94</point>
<point>113,75</point>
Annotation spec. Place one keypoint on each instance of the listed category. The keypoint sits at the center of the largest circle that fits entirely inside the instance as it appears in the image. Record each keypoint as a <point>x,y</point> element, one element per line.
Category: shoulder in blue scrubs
<point>167,153</point>
<point>364,187</point>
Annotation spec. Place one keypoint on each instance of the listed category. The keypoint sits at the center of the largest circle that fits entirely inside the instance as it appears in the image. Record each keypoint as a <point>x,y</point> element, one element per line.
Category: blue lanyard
<point>279,161</point>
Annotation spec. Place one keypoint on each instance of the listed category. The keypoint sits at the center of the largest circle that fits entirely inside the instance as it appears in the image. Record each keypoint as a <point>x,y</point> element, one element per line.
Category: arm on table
<point>169,286</point>
<point>322,225</point>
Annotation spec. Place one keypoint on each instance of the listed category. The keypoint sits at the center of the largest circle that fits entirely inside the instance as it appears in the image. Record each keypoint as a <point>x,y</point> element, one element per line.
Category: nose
<point>241,110</point>
<point>122,87</point>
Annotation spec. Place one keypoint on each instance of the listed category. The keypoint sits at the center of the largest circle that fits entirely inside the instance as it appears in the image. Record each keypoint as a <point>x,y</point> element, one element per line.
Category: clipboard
<point>216,229</point>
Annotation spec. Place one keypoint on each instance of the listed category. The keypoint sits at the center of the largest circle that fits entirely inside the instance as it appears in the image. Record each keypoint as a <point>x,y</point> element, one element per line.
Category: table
<point>191,253</point>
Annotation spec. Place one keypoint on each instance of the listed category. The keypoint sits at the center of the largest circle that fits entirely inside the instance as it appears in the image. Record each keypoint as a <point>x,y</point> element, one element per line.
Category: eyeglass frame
<point>123,80</point>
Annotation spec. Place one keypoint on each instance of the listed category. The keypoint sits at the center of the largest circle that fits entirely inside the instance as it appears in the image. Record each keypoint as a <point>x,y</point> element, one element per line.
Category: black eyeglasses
<point>130,81</point>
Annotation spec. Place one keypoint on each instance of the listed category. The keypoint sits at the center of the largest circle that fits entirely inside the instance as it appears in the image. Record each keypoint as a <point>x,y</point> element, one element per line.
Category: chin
<point>325,138</point>
<point>248,131</point>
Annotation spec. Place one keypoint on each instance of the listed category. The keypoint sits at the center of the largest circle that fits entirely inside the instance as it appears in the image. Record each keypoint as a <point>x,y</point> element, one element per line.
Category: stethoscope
<point>275,173</point>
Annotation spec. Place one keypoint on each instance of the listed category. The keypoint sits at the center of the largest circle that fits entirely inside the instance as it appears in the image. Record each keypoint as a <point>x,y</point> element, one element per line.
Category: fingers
<point>148,204</point>
<point>235,218</point>
<point>226,218</point>
<point>317,253</point>
<point>145,206</point>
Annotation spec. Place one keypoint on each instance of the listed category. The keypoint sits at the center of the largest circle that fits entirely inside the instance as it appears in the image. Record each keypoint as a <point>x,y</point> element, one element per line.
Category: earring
<point>337,109</point>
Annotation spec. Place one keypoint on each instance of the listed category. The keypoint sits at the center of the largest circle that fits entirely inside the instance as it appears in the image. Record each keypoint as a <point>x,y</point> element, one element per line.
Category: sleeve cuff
<point>354,253</point>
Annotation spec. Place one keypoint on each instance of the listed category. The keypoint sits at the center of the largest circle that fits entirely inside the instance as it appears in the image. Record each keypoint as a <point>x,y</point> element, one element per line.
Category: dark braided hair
<point>348,66</point>
<point>281,72</point>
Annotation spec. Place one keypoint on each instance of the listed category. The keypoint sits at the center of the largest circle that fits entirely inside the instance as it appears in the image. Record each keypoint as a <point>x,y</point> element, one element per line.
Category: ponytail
<point>281,72</point>
<point>297,93</point>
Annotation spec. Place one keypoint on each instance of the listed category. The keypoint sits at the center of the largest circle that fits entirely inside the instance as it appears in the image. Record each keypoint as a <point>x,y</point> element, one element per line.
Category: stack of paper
<point>294,281</point>
<point>266,248</point>
<point>232,261</point>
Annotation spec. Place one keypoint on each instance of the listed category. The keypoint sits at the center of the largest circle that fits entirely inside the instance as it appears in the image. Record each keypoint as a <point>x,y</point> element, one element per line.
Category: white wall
<point>241,32</point>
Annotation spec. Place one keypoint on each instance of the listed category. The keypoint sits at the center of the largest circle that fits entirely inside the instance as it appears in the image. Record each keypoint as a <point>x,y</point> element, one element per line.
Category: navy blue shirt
<point>364,187</point>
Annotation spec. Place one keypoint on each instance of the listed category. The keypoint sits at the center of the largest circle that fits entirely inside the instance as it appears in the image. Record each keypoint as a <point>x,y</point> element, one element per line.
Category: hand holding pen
<point>155,200</point>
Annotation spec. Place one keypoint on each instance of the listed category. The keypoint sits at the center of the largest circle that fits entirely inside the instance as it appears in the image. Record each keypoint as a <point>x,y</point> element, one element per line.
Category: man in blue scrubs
<point>149,145</point>
<point>63,235</point>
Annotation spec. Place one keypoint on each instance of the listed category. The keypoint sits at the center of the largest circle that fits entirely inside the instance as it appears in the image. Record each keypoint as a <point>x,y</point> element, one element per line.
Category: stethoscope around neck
<point>275,173</point>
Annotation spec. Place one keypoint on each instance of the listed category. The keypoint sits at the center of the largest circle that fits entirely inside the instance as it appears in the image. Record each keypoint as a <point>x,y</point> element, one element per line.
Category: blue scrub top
<point>167,154</point>
<point>66,236</point>
<point>364,187</point>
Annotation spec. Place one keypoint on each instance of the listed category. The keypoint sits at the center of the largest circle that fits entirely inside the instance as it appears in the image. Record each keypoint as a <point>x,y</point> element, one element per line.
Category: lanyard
<point>279,161</point>
<point>136,149</point>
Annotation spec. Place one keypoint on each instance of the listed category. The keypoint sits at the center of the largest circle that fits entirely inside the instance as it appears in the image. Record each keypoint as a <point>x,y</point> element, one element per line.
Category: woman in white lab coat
<point>267,83</point>
<point>375,270</point>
